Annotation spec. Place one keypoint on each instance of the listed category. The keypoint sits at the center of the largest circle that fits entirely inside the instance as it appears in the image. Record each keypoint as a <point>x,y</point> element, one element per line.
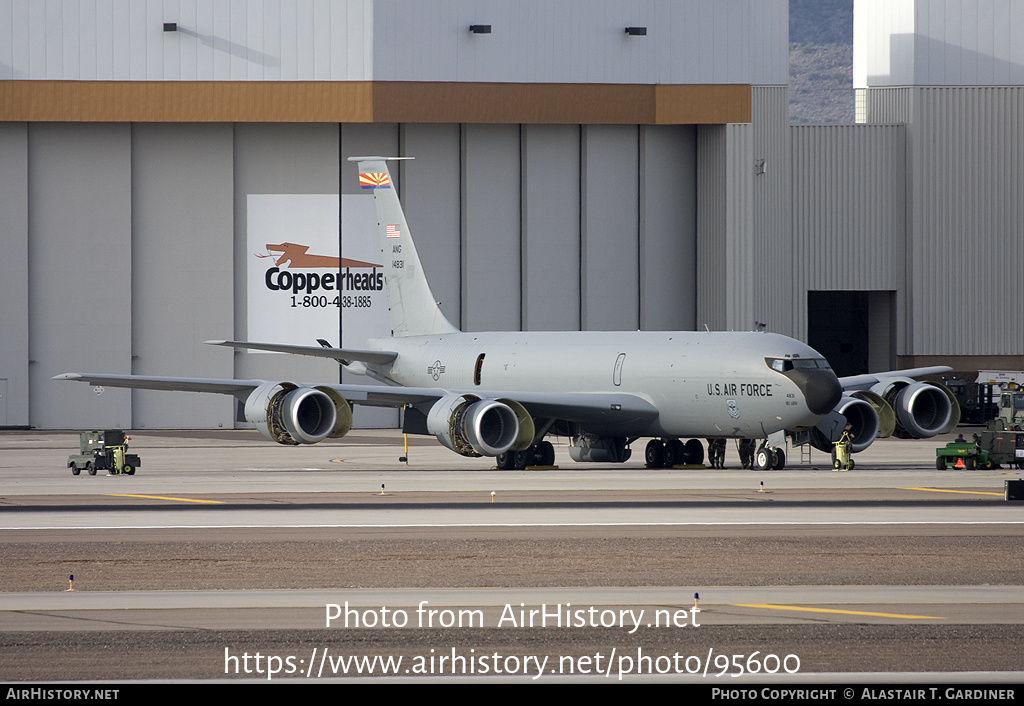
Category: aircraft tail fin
<point>411,305</point>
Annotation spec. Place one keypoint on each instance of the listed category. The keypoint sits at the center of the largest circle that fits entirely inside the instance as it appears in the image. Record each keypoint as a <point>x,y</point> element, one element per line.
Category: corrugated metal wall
<point>551,244</point>
<point>14,317</point>
<point>772,305</point>
<point>79,270</point>
<point>491,228</point>
<point>965,232</point>
<point>848,211</point>
<point>745,260</point>
<point>431,188</point>
<point>668,227</point>
<point>230,40</point>
<point>967,211</point>
<point>610,237</point>
<point>725,248</point>
<point>929,43</point>
<point>582,41</point>
<point>541,41</point>
<point>181,281</point>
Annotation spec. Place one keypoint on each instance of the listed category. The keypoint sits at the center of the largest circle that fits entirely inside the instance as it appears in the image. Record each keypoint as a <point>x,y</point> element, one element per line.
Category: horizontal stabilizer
<point>342,355</point>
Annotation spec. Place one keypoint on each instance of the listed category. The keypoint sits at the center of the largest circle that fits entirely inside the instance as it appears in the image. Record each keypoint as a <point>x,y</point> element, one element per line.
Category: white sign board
<point>300,284</point>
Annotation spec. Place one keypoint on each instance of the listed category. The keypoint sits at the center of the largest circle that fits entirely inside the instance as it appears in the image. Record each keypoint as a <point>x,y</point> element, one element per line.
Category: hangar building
<point>609,164</point>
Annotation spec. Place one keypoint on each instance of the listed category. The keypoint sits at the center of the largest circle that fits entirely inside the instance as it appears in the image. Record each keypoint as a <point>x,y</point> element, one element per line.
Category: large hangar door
<point>854,330</point>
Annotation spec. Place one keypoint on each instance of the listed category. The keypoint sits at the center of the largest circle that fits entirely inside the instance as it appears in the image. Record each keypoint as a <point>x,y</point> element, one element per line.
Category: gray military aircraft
<point>500,394</point>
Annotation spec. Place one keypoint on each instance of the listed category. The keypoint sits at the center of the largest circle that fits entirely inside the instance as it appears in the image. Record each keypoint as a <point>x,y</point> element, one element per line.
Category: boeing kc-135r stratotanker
<point>501,393</point>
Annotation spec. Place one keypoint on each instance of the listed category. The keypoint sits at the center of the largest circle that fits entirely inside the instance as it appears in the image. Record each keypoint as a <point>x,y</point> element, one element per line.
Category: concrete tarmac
<point>223,545</point>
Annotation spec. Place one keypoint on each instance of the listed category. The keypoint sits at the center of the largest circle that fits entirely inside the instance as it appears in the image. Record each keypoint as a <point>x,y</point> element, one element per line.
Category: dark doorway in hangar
<point>854,330</point>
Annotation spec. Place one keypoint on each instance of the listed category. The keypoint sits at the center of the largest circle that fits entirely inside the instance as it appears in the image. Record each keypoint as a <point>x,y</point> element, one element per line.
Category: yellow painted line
<point>160,497</point>
<point>836,610</point>
<point>965,492</point>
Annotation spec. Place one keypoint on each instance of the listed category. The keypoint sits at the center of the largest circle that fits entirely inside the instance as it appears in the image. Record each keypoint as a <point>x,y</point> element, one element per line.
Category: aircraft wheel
<point>779,462</point>
<point>763,459</point>
<point>90,469</point>
<point>675,453</point>
<point>654,454</point>
<point>694,452</point>
<point>545,454</point>
<point>505,461</point>
<point>523,458</point>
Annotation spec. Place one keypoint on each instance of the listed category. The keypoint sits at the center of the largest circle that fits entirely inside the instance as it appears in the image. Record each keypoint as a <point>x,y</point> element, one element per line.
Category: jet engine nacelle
<point>292,415</point>
<point>471,426</point>
<point>923,409</point>
<point>863,417</point>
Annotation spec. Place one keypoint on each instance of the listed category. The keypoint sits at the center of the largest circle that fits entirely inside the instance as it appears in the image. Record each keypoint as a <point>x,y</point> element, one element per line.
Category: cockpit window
<point>783,365</point>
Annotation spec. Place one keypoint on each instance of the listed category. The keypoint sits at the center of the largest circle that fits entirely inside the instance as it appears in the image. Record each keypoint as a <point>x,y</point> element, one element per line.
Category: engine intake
<point>902,406</point>
<point>863,420</point>
<point>289,414</point>
<point>923,409</point>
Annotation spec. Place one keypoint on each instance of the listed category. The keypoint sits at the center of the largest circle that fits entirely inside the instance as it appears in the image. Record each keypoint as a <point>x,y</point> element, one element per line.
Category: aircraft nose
<point>820,386</point>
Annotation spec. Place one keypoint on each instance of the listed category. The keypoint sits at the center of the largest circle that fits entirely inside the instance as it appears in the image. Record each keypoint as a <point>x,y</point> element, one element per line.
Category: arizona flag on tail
<point>374,180</point>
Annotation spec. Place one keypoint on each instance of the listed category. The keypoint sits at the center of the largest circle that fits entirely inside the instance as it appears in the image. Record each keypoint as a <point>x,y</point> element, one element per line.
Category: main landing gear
<point>666,454</point>
<point>540,454</point>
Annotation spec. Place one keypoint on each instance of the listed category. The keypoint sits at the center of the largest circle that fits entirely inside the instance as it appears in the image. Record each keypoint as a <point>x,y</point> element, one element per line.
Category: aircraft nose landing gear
<point>767,458</point>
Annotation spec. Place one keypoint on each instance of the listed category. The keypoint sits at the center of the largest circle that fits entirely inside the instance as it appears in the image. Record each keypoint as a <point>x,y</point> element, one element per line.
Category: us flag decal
<point>392,231</point>
<point>374,180</point>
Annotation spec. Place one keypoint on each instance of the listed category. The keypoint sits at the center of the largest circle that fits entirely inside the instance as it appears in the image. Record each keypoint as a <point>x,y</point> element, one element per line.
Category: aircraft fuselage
<point>702,384</point>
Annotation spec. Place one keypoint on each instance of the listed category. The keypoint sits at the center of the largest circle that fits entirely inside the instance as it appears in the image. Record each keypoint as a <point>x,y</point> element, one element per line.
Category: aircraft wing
<point>891,402</point>
<point>147,382</point>
<point>373,395</point>
<point>619,411</point>
<point>616,411</point>
<point>590,408</point>
<point>865,382</point>
<point>339,354</point>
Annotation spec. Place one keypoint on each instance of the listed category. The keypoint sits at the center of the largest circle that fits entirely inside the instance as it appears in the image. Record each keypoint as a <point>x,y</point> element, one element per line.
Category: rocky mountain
<point>821,61</point>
